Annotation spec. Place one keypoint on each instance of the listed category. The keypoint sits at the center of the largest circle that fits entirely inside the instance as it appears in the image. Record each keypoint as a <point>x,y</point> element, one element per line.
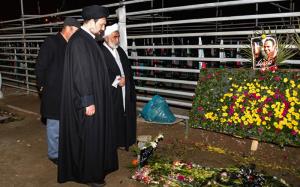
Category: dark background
<point>11,9</point>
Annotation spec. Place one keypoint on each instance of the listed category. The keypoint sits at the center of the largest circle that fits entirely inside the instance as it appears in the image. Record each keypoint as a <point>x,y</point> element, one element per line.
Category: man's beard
<point>113,46</point>
<point>99,36</point>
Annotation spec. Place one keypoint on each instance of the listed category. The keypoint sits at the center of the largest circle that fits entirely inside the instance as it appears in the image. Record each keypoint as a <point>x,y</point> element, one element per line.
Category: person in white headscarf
<point>123,88</point>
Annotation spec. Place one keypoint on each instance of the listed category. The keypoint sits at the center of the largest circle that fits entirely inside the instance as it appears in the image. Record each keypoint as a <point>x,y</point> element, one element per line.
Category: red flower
<point>273,68</point>
<point>180,178</point>
<point>277,78</point>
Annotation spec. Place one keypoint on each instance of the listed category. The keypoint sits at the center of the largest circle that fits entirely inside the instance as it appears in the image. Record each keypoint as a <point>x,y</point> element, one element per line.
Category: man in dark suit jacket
<point>123,88</point>
<point>49,71</point>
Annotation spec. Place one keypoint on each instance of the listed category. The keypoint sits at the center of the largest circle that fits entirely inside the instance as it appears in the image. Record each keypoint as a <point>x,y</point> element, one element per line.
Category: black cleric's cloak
<point>87,148</point>
<point>49,71</point>
<point>125,121</point>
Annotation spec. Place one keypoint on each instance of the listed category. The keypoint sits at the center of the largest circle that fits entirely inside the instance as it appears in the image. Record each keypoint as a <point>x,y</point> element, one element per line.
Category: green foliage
<point>248,103</point>
<point>296,37</point>
<point>285,50</point>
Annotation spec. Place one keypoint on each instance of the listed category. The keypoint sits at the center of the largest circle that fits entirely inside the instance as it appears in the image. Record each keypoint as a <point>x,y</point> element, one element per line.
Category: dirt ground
<point>24,163</point>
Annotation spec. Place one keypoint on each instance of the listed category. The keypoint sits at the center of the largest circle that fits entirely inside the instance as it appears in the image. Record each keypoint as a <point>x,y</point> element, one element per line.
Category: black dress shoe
<point>95,184</point>
<point>54,160</point>
<point>124,148</point>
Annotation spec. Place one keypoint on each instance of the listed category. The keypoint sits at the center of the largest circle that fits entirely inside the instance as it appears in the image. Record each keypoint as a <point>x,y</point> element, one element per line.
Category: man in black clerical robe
<point>123,88</point>
<point>87,148</point>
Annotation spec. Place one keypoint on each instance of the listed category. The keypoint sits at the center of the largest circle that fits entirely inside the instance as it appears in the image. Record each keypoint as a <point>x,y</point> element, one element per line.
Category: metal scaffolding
<point>167,44</point>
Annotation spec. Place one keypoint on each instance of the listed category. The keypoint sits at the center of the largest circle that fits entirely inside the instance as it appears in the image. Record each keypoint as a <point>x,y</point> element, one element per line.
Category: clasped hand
<point>90,110</point>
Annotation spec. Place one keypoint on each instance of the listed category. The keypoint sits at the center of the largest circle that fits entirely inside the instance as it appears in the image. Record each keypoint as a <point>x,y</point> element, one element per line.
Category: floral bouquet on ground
<point>145,151</point>
<point>178,174</point>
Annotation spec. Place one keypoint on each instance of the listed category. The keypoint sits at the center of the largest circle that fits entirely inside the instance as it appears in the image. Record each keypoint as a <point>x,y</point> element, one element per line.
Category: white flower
<point>153,144</point>
<point>144,147</point>
<point>159,137</point>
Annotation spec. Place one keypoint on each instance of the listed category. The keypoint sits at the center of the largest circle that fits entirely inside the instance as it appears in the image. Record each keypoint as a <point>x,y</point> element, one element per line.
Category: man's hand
<point>90,110</point>
<point>122,81</point>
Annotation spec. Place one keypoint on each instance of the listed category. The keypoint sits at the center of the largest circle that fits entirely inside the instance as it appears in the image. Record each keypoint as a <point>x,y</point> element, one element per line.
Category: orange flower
<point>134,162</point>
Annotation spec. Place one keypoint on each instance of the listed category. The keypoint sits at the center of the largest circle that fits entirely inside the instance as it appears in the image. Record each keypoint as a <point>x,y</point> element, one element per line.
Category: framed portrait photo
<point>264,51</point>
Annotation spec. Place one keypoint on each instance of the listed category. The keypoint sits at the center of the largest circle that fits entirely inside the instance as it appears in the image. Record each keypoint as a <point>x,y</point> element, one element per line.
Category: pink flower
<point>200,108</point>
<point>293,132</point>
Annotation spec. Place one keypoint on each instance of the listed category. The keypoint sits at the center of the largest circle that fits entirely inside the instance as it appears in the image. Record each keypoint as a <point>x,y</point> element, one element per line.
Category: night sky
<point>11,9</point>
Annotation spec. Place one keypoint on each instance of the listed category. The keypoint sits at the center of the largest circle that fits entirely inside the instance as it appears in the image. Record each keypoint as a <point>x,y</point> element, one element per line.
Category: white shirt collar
<point>86,30</point>
<point>112,50</point>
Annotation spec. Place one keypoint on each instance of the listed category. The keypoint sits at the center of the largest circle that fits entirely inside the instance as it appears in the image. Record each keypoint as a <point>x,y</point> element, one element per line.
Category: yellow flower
<point>285,79</point>
<point>294,122</point>
<point>229,78</point>
<point>276,125</point>
<point>224,108</point>
<point>295,93</point>
<point>297,116</point>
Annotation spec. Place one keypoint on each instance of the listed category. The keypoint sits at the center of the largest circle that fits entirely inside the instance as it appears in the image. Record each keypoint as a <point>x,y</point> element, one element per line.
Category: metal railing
<point>167,45</point>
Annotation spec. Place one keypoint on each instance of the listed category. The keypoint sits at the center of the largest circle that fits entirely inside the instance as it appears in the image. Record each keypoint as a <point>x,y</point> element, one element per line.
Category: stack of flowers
<point>265,106</point>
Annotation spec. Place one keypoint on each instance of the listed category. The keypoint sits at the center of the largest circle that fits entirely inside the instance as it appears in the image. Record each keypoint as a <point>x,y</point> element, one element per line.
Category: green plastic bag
<point>157,110</point>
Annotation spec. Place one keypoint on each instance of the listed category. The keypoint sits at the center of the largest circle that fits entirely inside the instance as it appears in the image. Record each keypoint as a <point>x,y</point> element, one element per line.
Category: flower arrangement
<point>145,151</point>
<point>178,173</point>
<point>261,105</point>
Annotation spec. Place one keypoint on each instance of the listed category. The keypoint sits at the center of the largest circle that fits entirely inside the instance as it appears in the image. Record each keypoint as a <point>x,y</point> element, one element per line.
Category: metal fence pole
<point>24,45</point>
